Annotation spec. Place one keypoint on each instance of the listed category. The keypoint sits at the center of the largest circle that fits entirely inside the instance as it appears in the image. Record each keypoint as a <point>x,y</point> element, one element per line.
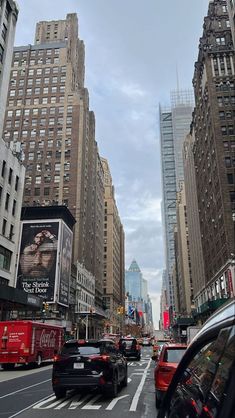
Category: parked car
<point>89,364</point>
<point>166,364</point>
<point>130,347</point>
<point>203,384</point>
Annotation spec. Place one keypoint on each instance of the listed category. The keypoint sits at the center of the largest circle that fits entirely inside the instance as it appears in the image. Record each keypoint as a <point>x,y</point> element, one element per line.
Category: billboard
<point>166,320</point>
<point>37,262</point>
<point>65,264</point>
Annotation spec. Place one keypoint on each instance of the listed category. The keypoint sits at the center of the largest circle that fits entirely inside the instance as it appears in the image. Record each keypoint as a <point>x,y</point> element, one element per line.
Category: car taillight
<point>103,357</point>
<point>57,357</point>
<point>26,350</point>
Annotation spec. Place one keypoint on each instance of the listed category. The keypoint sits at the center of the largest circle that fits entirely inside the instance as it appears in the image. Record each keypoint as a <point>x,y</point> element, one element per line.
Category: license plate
<point>78,365</point>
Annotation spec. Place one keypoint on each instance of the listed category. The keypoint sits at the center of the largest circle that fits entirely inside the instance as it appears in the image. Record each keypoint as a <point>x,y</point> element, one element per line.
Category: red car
<point>166,364</point>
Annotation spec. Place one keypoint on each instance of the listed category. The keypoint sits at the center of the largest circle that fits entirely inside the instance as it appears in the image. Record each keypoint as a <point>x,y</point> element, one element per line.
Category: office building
<point>113,266</point>
<point>8,18</point>
<point>231,22</point>
<point>48,111</point>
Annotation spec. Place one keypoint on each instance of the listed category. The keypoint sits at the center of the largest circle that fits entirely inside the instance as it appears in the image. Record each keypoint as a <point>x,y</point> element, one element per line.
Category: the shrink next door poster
<point>37,273</point>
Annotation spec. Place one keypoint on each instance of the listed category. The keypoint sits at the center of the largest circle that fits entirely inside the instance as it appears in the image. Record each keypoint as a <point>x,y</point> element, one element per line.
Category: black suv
<point>203,384</point>
<point>130,347</point>
<point>89,364</point>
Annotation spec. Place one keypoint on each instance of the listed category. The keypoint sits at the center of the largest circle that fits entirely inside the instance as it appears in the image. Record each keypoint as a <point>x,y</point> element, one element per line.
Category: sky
<point>134,50</point>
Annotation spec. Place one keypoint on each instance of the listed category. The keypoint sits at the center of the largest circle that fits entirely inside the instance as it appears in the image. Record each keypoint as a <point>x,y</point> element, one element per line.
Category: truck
<point>28,342</point>
<point>191,332</point>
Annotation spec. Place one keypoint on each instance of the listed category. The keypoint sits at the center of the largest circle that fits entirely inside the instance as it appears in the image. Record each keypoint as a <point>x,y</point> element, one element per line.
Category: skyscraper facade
<point>8,18</point>
<point>214,152</point>
<point>48,111</point>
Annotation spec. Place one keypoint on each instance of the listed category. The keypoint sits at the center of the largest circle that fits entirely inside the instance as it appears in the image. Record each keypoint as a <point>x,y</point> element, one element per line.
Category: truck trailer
<point>28,342</point>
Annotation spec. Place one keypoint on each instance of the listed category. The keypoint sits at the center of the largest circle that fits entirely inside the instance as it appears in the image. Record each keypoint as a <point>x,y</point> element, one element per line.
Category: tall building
<point>214,155</point>
<point>183,268</point>
<point>169,197</point>
<point>133,281</point>
<point>194,235</point>
<point>48,111</point>
<point>182,102</point>
<point>8,18</point>
<point>113,242</point>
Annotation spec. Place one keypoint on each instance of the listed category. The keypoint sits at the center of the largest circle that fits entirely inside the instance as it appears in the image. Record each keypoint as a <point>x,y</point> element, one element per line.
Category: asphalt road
<point>28,394</point>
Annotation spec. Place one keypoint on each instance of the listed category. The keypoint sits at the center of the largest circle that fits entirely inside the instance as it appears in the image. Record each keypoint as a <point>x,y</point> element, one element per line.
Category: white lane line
<point>44,401</point>
<point>28,407</point>
<point>75,404</point>
<point>114,401</point>
<point>90,404</point>
<point>28,387</point>
<point>135,399</point>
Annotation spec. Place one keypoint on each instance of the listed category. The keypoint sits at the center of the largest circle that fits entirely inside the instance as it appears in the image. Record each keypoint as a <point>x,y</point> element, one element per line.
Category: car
<point>203,384</point>
<point>89,364</point>
<point>166,364</point>
<point>146,341</point>
<point>159,344</point>
<point>130,347</point>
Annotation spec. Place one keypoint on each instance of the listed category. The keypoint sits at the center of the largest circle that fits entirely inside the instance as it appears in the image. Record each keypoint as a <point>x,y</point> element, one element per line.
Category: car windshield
<point>173,355</point>
<point>85,349</point>
<point>128,343</point>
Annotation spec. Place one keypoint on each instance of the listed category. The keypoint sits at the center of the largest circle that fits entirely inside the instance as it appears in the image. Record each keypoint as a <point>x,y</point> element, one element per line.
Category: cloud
<point>132,90</point>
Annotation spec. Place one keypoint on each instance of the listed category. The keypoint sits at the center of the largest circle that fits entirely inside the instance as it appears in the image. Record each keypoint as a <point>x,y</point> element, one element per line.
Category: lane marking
<point>90,405</point>
<point>28,407</point>
<point>21,390</point>
<point>44,401</point>
<point>75,404</point>
<point>135,399</point>
<point>114,401</point>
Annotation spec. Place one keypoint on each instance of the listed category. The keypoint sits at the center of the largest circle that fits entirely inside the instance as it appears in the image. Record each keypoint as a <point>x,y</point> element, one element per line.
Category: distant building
<point>133,281</point>
<point>113,266</point>
<point>231,13</point>
<point>8,18</point>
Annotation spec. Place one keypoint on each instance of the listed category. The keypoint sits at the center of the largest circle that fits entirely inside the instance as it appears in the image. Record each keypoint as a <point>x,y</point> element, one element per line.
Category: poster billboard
<point>166,320</point>
<point>37,262</point>
<point>65,264</point>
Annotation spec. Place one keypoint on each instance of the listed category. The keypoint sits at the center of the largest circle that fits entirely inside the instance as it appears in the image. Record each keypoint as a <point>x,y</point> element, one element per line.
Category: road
<point>28,394</point>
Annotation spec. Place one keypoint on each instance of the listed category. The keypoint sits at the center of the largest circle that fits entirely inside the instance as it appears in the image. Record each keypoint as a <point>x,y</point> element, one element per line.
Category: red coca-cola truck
<point>28,342</point>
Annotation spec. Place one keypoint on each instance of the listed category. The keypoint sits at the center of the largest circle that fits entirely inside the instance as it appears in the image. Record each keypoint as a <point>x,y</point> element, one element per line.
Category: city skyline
<point>118,86</point>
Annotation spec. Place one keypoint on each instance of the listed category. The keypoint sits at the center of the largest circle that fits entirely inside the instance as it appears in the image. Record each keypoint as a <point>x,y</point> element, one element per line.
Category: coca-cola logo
<point>48,339</point>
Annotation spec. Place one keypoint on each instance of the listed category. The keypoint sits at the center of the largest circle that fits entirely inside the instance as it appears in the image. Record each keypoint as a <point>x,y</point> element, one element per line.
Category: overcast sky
<point>133,48</point>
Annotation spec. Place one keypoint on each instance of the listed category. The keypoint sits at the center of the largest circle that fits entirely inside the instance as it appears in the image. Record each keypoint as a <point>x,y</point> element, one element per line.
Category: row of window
<point>40,71</point>
<point>39,111</point>
<point>37,90</point>
<point>5,258</point>
<point>7,202</point>
<point>10,174</point>
<point>38,81</point>
<point>36,101</point>
<point>49,143</point>
<point>40,132</point>
<point>4,230</point>
<point>51,60</point>
<point>48,178</point>
<point>41,122</point>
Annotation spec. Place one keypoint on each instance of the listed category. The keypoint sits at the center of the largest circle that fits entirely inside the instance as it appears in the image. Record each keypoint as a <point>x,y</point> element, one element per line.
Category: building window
<point>10,176</point>
<point>5,258</point>
<point>3,167</point>
<point>11,232</point>
<point>14,207</point>
<point>1,53</point>
<point>4,32</point>
<point>16,183</point>
<point>4,225</point>
<point>46,191</point>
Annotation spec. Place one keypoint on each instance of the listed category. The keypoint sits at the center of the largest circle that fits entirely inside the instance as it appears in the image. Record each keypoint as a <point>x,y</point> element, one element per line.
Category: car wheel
<point>124,382</point>
<point>112,390</point>
<point>157,400</point>
<point>60,393</point>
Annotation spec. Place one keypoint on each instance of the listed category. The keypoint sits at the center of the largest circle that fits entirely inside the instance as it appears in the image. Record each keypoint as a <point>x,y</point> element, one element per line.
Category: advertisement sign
<point>166,320</point>
<point>37,272</point>
<point>65,264</point>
